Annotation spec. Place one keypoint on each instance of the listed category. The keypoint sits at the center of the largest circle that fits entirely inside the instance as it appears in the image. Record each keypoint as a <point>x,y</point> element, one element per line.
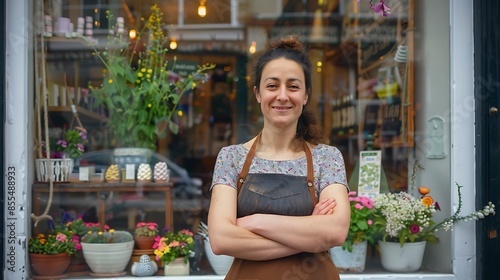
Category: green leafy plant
<point>51,244</point>
<point>174,245</point>
<point>402,217</point>
<point>138,89</point>
<point>109,236</point>
<point>362,216</point>
<point>144,229</point>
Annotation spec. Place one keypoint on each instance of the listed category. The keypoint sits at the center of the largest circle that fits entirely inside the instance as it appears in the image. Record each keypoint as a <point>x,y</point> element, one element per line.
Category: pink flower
<point>369,222</point>
<point>61,237</point>
<point>414,228</point>
<point>358,206</point>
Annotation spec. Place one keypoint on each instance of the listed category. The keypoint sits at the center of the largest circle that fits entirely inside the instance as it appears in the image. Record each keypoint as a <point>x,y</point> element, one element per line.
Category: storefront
<point>413,82</point>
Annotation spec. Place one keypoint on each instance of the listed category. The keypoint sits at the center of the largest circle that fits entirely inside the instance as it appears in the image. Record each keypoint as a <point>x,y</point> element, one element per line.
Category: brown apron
<point>280,194</point>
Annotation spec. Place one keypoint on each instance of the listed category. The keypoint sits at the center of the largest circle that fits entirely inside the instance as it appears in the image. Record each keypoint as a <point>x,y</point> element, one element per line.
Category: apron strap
<point>310,168</point>
<point>248,161</point>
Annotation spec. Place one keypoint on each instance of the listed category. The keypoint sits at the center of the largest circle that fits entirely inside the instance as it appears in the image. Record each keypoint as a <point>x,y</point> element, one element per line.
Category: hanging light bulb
<point>132,34</point>
<point>253,47</point>
<point>202,10</point>
<point>173,44</point>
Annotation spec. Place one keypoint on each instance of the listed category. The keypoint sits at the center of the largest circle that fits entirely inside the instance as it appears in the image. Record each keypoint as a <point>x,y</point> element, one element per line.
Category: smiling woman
<point>273,182</point>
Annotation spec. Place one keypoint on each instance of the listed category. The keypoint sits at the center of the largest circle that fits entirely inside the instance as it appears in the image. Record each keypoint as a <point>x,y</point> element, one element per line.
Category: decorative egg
<point>112,174</point>
<point>161,172</point>
<point>144,172</point>
<point>144,267</point>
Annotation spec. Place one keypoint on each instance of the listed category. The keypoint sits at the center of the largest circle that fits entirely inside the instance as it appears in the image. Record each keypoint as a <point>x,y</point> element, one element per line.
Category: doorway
<point>487,96</point>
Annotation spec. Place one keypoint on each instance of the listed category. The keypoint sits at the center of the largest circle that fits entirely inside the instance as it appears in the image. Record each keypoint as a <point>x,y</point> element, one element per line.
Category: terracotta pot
<point>49,265</point>
<point>144,242</point>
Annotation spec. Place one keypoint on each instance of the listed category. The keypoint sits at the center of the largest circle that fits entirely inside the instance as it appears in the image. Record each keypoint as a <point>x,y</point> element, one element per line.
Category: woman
<point>264,208</point>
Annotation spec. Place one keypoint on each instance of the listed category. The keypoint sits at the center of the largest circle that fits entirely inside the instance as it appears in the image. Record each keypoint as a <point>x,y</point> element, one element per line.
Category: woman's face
<point>282,92</point>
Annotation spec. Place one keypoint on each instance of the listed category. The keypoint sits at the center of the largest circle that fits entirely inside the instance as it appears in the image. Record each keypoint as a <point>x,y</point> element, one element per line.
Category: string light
<point>202,10</point>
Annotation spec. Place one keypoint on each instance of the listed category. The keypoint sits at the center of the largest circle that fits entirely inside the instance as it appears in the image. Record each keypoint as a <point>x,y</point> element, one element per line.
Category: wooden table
<point>102,191</point>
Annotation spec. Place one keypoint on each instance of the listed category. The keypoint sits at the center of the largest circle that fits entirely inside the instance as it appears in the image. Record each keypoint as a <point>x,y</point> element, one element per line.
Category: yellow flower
<point>194,85</point>
<point>149,105</point>
<point>111,230</point>
<point>100,233</point>
<point>143,70</point>
<point>137,81</point>
<point>110,81</point>
<point>150,71</point>
<point>148,76</point>
<point>140,75</point>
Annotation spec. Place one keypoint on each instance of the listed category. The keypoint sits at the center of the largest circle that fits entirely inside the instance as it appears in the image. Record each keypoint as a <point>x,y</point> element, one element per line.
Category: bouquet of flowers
<point>401,217</point>
<point>361,227</point>
<point>173,246</point>
<point>51,244</point>
<point>144,229</point>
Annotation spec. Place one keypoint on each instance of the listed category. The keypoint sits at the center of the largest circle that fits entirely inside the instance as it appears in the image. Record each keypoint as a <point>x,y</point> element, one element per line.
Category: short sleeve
<point>227,167</point>
<point>332,167</point>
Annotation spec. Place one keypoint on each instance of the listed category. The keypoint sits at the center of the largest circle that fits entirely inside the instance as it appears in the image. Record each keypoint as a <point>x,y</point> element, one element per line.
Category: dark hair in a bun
<point>291,47</point>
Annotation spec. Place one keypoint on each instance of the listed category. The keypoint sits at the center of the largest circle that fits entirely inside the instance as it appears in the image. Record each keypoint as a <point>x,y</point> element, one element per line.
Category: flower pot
<point>144,242</point>
<point>219,263</point>
<point>401,259</point>
<point>50,265</point>
<point>59,168</point>
<point>346,261</point>
<point>107,258</point>
<point>176,268</point>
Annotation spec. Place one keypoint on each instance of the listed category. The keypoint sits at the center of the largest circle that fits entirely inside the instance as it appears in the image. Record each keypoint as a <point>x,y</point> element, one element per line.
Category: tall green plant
<point>138,89</point>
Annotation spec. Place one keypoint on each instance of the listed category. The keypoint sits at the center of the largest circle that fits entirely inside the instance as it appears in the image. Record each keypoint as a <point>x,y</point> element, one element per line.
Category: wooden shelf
<point>64,114</point>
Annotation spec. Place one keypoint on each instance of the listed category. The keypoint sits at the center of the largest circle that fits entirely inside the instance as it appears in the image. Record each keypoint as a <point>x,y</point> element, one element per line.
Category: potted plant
<point>139,89</point>
<point>219,263</point>
<point>107,253</point>
<point>174,250</point>
<point>144,235</point>
<point>63,148</point>
<point>405,223</point>
<point>351,256</point>
<point>50,254</point>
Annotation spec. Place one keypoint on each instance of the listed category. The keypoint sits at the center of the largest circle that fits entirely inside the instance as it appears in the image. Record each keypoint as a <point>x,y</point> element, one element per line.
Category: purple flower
<point>83,135</point>
<point>381,9</point>
<point>80,147</point>
<point>62,143</point>
<point>414,228</point>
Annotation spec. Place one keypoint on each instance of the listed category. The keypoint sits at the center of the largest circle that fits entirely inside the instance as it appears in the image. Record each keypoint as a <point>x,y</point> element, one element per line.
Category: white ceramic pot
<point>107,258</point>
<point>59,168</point>
<point>219,263</point>
<point>177,268</point>
<point>350,262</point>
<point>395,258</point>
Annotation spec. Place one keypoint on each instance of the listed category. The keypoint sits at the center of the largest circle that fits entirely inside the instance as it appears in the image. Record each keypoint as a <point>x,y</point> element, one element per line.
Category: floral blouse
<point>329,167</point>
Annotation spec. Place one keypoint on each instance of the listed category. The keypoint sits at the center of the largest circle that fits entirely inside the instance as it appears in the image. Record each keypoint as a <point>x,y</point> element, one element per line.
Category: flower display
<point>143,229</point>
<point>174,245</point>
<point>361,227</point>
<point>139,88</point>
<point>107,236</point>
<point>402,217</point>
<point>54,243</point>
<point>71,143</point>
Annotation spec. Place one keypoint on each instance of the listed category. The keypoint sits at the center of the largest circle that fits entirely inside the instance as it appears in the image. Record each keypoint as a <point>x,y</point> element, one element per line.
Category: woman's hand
<point>324,207</point>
